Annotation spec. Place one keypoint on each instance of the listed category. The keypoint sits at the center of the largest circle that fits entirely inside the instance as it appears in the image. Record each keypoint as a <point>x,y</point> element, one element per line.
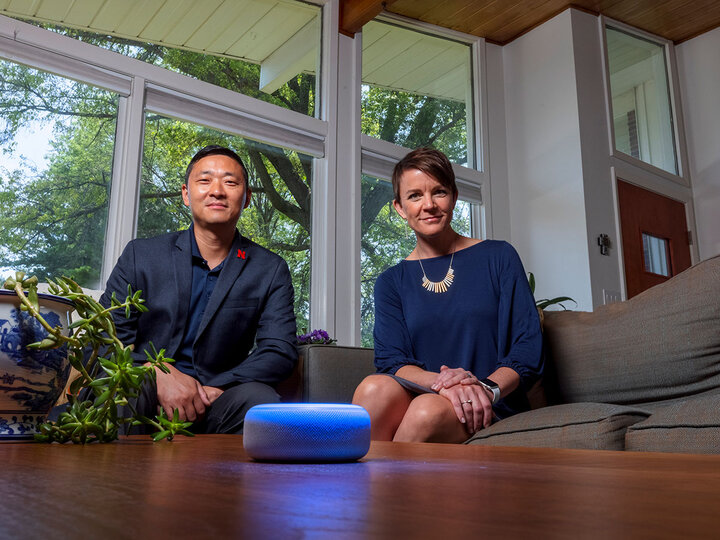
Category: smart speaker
<point>307,432</point>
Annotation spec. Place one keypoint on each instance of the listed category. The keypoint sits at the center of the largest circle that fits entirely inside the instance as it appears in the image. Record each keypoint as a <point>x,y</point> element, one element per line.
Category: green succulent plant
<point>108,379</point>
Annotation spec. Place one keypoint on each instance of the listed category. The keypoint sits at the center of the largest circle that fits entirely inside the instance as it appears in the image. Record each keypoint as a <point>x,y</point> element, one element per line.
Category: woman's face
<point>425,203</point>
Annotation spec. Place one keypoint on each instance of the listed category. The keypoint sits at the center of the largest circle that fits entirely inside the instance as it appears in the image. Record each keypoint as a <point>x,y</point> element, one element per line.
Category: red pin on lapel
<point>241,254</point>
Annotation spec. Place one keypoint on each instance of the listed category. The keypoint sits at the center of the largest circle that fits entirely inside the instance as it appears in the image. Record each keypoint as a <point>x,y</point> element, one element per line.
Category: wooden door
<point>654,237</point>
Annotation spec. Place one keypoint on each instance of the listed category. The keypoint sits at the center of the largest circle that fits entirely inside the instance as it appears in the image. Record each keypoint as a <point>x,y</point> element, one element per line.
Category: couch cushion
<point>331,373</point>
<point>662,344</point>
<point>590,426</point>
<point>690,426</point>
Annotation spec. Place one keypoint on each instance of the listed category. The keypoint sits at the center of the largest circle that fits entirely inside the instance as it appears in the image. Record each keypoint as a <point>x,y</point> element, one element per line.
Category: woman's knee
<point>430,418</point>
<point>430,409</point>
<point>377,387</point>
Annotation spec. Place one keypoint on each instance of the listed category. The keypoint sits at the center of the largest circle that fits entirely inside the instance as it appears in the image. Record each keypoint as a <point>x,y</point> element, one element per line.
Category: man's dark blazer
<point>247,332</point>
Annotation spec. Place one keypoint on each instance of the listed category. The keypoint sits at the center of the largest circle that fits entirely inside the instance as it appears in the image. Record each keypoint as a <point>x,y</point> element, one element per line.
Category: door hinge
<point>690,238</point>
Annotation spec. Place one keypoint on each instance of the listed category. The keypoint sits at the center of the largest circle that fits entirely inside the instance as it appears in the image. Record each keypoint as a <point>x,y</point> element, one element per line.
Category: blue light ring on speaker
<point>307,432</point>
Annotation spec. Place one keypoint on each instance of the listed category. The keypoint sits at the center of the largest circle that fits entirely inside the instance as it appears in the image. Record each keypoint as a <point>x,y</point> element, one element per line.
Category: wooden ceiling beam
<point>355,13</point>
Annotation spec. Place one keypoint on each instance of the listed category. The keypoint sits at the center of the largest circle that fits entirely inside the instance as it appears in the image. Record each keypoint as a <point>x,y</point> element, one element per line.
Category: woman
<point>457,335</point>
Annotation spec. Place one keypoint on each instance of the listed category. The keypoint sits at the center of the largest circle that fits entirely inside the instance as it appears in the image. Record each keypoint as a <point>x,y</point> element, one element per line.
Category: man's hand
<point>175,390</point>
<point>212,392</point>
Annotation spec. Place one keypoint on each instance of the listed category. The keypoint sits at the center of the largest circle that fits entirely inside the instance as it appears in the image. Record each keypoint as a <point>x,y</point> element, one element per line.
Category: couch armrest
<point>330,373</point>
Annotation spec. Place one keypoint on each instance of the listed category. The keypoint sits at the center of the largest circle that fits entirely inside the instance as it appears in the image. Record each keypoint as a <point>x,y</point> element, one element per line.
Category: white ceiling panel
<point>269,32</point>
<point>221,22</point>
<point>21,5</point>
<point>158,26</point>
<point>111,14</point>
<point>193,18</point>
<point>125,22</point>
<point>253,30</point>
<point>403,59</point>
<point>54,11</point>
<point>372,31</point>
<point>452,84</point>
<point>415,58</point>
<point>391,45</point>
<point>230,42</point>
<point>82,12</point>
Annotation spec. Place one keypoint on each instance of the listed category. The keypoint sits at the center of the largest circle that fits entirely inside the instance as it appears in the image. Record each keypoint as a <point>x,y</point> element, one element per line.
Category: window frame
<point>621,159</point>
<point>141,87</point>
<point>333,138</point>
<point>474,180</point>
<point>378,158</point>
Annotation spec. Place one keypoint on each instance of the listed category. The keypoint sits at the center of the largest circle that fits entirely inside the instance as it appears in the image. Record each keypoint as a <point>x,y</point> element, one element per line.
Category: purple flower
<point>316,336</point>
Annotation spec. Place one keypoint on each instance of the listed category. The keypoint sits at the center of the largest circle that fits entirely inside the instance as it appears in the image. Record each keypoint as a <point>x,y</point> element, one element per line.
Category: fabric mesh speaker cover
<point>320,432</point>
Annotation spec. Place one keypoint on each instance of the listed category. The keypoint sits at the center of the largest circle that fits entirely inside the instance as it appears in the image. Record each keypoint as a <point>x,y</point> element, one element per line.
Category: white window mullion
<point>481,219</point>
<point>323,233</point>
<point>122,213</point>
<point>349,192</point>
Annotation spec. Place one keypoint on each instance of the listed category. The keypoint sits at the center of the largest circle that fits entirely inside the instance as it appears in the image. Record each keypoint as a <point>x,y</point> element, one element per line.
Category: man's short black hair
<point>212,150</point>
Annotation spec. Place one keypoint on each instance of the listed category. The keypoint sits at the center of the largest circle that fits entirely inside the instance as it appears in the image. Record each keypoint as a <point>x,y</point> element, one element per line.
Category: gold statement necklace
<point>438,286</point>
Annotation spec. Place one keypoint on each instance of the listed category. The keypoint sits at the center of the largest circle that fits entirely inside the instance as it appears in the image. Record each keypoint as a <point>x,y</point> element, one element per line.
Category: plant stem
<point>56,332</point>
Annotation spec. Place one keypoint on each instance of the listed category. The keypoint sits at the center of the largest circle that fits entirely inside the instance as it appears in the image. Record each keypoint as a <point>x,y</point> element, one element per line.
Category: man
<point>220,304</point>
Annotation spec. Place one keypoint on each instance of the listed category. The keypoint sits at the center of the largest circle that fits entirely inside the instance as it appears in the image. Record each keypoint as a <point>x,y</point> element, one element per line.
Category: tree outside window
<point>54,218</point>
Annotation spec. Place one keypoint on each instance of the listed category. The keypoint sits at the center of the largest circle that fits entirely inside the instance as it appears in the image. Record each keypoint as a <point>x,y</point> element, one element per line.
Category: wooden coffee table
<point>207,487</point>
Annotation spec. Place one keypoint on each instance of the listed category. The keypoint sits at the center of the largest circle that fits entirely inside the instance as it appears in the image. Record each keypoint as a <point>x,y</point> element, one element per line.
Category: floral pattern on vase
<point>31,380</point>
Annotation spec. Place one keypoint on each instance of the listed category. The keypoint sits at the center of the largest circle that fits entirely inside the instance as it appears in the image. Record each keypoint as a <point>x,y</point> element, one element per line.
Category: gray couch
<point>639,375</point>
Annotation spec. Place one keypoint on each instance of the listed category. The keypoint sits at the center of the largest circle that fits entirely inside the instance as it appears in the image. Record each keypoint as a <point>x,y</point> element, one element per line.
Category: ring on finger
<point>466,401</point>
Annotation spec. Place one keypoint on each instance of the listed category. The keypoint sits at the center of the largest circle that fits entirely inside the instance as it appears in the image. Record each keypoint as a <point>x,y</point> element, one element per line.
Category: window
<point>279,213</point>
<point>58,139</point>
<point>656,255</point>
<point>252,83</point>
<point>386,240</point>
<point>266,49</point>
<point>417,90</point>
<point>641,107</point>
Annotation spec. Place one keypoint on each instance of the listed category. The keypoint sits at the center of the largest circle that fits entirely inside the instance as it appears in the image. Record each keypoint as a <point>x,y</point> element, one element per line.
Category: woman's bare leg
<point>431,418</point>
<point>386,401</point>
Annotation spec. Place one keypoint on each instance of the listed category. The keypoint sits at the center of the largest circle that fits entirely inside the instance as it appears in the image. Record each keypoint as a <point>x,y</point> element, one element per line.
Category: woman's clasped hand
<point>471,402</point>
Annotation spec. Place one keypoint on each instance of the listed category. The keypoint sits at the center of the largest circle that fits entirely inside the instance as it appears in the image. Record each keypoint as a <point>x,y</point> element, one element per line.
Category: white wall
<point>699,72</point>
<point>545,173</point>
<point>496,162</point>
<point>600,205</point>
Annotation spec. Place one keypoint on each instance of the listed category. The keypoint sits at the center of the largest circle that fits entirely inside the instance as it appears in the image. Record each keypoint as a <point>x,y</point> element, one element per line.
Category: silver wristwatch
<point>492,387</point>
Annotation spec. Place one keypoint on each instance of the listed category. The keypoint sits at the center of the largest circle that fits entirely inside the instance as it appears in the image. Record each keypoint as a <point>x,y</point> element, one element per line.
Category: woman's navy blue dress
<point>485,320</point>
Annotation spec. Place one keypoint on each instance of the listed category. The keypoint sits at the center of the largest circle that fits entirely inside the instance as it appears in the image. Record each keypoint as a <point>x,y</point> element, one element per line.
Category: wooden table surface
<point>207,487</point>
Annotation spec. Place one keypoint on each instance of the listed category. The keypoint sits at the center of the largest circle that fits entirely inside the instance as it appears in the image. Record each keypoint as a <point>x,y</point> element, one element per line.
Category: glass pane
<point>57,139</point>
<point>416,90</point>
<point>655,253</point>
<point>267,49</point>
<point>279,213</point>
<point>642,115</point>
<point>386,240</point>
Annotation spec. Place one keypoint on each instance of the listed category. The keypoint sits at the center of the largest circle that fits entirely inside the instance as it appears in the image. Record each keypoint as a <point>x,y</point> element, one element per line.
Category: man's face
<point>216,191</point>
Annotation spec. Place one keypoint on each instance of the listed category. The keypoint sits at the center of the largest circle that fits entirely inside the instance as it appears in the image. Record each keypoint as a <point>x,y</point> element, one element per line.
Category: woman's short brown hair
<point>430,161</point>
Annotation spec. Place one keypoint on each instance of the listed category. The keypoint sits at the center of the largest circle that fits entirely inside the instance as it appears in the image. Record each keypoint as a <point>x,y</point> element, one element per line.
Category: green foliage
<point>413,120</point>
<point>544,303</point>
<point>54,221</point>
<point>109,372</point>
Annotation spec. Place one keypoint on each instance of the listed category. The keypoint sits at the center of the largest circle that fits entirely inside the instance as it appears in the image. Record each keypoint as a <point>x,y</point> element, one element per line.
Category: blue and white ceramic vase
<point>31,380</point>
